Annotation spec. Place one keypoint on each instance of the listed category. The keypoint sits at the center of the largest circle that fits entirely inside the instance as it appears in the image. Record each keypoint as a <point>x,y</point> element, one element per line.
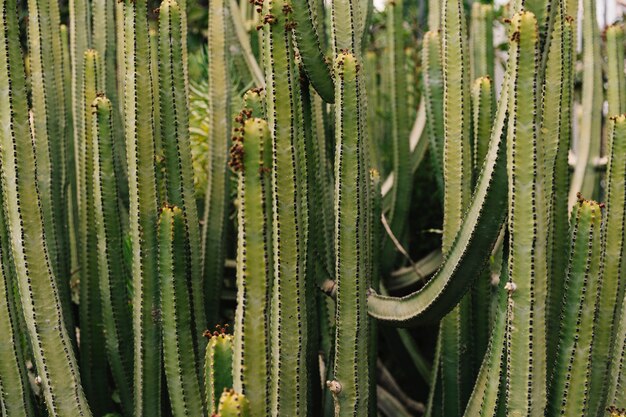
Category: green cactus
<point>218,367</point>
<point>233,404</point>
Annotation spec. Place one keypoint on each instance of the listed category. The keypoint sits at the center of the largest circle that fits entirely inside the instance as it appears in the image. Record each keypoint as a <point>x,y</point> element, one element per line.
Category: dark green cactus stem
<point>569,393</point>
<point>218,368</point>
<point>433,94</point>
<point>611,290</point>
<point>233,404</point>
<point>469,254</point>
<point>481,41</point>
<point>113,274</point>
<point>48,126</point>
<point>176,149</point>
<point>350,386</point>
<point>215,207</point>
<point>556,136</point>
<point>616,89</point>
<point>181,370</point>
<point>15,396</point>
<point>586,177</point>
<point>143,211</point>
<point>527,287</point>
<point>37,284</point>
<point>400,193</point>
<point>311,49</point>
<point>92,344</point>
<point>250,156</point>
<point>288,391</point>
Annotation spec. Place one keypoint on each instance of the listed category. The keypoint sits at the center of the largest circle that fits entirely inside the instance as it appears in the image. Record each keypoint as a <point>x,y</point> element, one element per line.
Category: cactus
<point>233,404</point>
<point>218,367</point>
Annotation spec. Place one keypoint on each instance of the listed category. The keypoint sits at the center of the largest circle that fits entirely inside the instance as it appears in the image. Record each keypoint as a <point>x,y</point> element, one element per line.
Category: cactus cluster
<point>281,181</point>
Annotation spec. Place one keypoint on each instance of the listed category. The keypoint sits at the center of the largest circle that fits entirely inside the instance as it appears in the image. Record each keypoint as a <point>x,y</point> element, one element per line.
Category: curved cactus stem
<point>233,404</point>
<point>180,370</point>
<point>311,49</point>
<point>218,368</point>
<point>616,88</point>
<point>433,99</point>
<point>471,249</point>
<point>113,274</point>
<point>140,146</point>
<point>556,129</point>
<point>611,290</point>
<point>176,150</point>
<point>569,394</point>
<point>36,281</point>
<point>215,207</point>
<point>585,178</point>
<point>527,286</point>
<point>252,159</point>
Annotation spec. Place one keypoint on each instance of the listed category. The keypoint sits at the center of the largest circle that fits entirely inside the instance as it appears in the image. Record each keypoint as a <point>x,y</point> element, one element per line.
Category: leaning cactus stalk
<point>171,169</point>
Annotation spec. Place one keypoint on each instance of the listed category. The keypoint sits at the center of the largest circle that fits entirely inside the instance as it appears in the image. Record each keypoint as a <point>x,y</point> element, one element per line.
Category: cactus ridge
<point>433,92</point>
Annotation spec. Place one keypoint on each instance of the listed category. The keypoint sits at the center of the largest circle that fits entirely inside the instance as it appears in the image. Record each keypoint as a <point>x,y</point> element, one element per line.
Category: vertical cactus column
<point>112,273</point>
<point>289,320</point>
<point>616,89</point>
<point>52,349</point>
<point>176,150</point>
<point>178,348</point>
<point>218,368</point>
<point>433,96</point>
<point>138,130</point>
<point>527,287</point>
<point>92,345</point>
<point>215,208</point>
<point>251,158</point>
<point>569,392</point>
<point>481,41</point>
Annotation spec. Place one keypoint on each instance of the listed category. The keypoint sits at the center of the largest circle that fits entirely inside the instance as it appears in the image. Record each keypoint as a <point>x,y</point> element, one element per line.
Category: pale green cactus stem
<point>527,286</point>
<point>586,177</point>
<point>233,404</point>
<point>143,211</point>
<point>468,256</point>
<point>400,193</point>
<point>569,393</point>
<point>616,89</point>
<point>350,386</point>
<point>37,285</point>
<point>481,41</point>
<point>113,274</point>
<point>215,207</point>
<point>556,131</point>
<point>218,368</point>
<point>155,69</point>
<point>251,158</point>
<point>15,395</point>
<point>254,102</point>
<point>613,268</point>
<point>434,15</point>
<point>433,95</point>
<point>181,370</point>
<point>47,126</point>
<point>289,320</point>
<point>92,346</point>
<point>176,150</point>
